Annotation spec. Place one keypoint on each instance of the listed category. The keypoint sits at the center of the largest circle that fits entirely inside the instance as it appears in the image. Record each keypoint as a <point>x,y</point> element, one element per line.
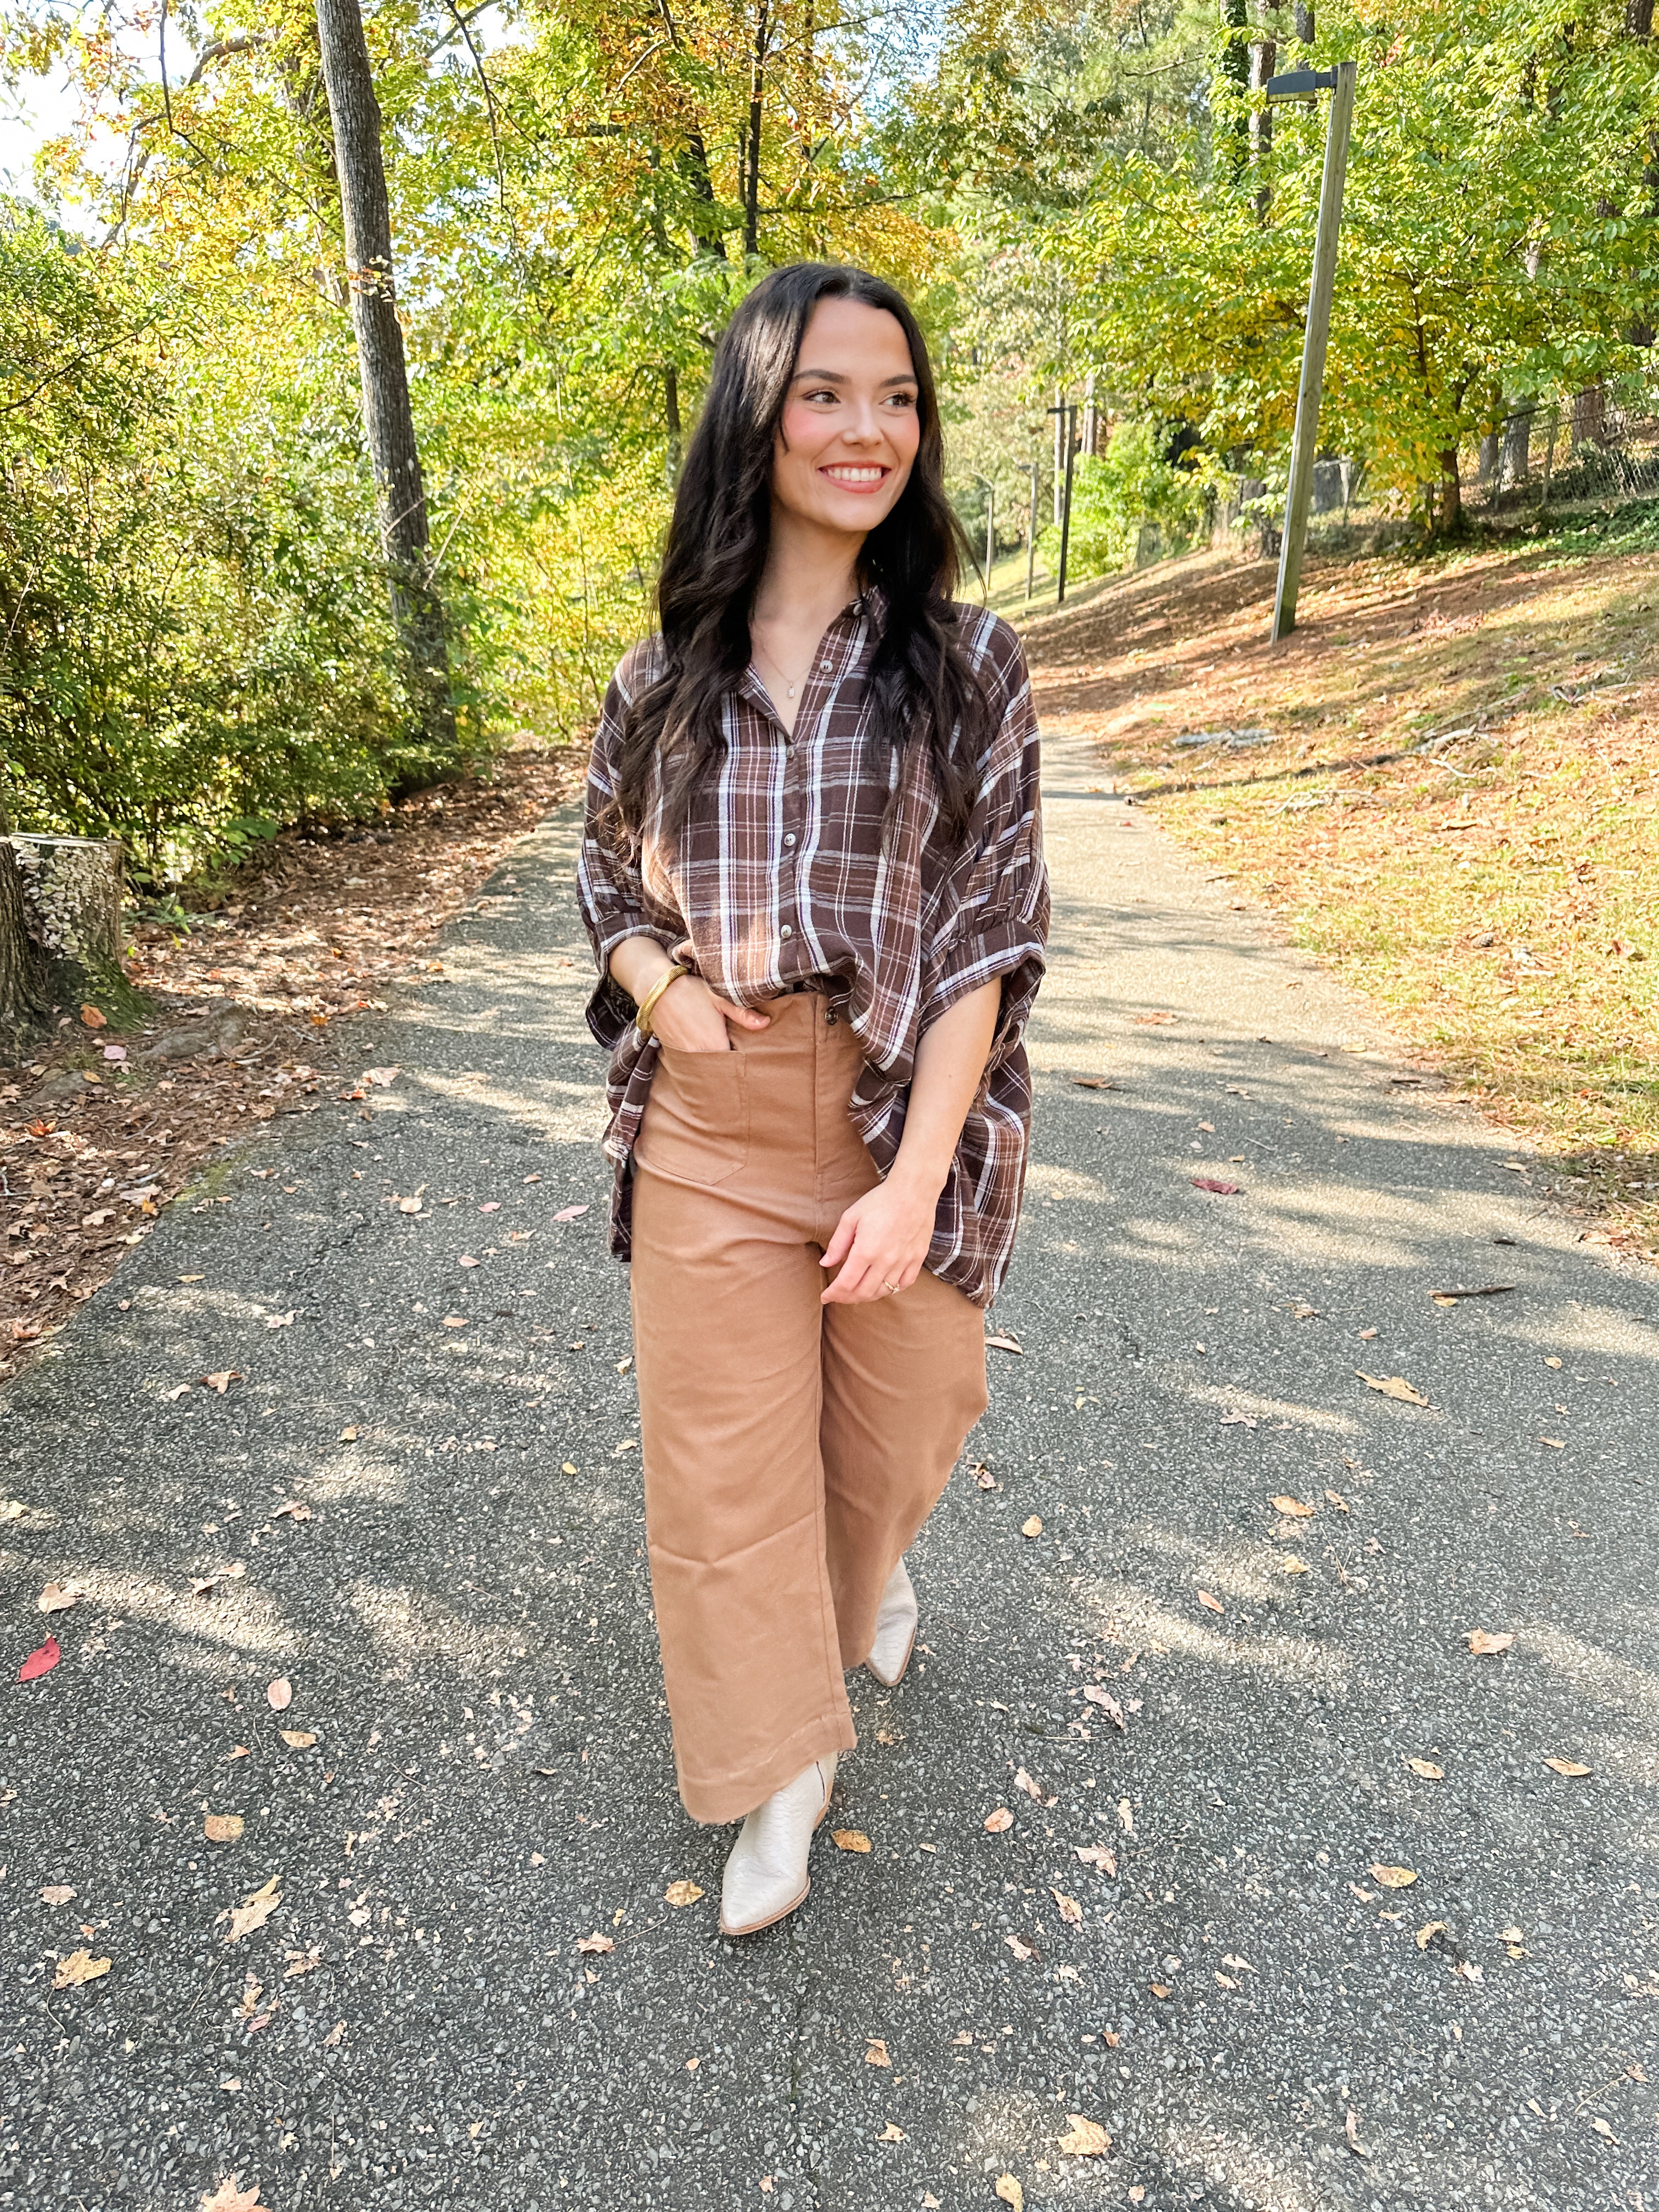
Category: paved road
<point>460,1603</point>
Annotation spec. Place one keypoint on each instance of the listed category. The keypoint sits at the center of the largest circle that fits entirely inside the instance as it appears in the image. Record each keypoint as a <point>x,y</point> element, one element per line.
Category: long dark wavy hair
<point>924,688</point>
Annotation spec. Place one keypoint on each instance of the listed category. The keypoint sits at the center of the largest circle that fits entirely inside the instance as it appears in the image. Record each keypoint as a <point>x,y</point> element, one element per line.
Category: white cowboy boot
<point>895,1628</point>
<point>766,1875</point>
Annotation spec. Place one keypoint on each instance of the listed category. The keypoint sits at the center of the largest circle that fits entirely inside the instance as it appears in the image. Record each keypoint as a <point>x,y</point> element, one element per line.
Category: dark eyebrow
<point>835,376</point>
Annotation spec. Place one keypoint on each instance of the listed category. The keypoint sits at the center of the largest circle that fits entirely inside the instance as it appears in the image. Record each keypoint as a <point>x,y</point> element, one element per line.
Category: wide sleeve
<point>614,902</point>
<point>993,922</point>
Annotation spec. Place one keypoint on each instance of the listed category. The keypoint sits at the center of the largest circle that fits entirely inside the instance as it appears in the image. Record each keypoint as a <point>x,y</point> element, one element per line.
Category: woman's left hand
<point>881,1241</point>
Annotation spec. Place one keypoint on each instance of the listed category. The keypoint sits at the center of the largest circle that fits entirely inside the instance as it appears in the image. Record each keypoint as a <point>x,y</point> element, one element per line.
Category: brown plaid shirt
<point>783,878</point>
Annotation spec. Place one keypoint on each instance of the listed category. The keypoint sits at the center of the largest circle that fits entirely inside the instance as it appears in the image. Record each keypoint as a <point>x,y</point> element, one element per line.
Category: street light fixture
<point>1303,85</point>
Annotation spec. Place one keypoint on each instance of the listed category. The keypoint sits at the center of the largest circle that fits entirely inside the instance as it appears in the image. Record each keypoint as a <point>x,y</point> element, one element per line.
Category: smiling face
<point>849,435</point>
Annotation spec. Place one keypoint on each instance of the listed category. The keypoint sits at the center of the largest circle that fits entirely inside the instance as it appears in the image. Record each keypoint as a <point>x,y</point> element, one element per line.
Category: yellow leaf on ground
<point>1393,1877</point>
<point>80,1967</point>
<point>1000,1821</point>
<point>1033,1526</point>
<point>682,1892</point>
<point>594,1945</point>
<point>1427,1934</point>
<point>1085,2139</point>
<point>231,2197</point>
<point>1159,1989</point>
<point>255,1910</point>
<point>849,1840</point>
<point>1070,1911</point>
<point>1009,2191</point>
<point>222,1827</point>
<point>1209,1603</point>
<point>876,2052</point>
<point>298,1738</point>
<point>1569,1766</point>
<point>279,1696</point>
<point>1294,1507</point>
<point>1392,1386</point>
<point>1482,1642</point>
<point>1427,1769</point>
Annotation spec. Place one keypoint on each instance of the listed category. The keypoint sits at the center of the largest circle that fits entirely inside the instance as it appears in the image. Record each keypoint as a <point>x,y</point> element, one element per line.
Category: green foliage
<point>1131,485</point>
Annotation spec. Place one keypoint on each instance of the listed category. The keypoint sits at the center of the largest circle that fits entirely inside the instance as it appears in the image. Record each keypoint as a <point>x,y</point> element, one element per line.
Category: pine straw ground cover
<point>1458,809</point>
<point>248,1015</point>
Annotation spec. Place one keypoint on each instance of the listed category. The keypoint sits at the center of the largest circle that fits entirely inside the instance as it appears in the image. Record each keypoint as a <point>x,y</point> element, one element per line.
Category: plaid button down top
<point>783,878</point>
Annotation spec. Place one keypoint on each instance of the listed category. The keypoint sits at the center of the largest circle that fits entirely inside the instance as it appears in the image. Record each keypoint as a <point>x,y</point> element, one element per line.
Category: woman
<point>812,875</point>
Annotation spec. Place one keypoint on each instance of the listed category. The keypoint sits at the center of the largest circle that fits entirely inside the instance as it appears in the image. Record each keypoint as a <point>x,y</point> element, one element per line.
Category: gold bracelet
<point>642,1017</point>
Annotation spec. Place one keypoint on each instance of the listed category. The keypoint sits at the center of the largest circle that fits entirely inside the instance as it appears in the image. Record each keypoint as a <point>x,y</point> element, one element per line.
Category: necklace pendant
<point>790,692</point>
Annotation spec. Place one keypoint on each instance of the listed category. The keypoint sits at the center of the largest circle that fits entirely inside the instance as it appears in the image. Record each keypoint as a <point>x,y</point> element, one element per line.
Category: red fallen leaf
<point>1221,1189</point>
<point>41,1661</point>
<point>569,1212</point>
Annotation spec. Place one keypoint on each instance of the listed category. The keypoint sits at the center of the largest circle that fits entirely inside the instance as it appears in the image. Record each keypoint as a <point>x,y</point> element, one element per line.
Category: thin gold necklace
<point>789,689</point>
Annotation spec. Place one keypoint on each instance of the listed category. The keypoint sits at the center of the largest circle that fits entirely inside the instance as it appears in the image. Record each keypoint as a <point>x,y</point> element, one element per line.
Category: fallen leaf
<point>1555,1443</point>
<point>41,1661</point>
<point>1125,1819</point>
<point>1009,2190</point>
<point>1568,1767</point>
<point>1551,1360</point>
<point>1070,1911</point>
<point>1151,1021</point>
<point>94,1019</point>
<point>1351,2128</point>
<point>849,1840</point>
<point>1108,1703</point>
<point>1485,1290</point>
<point>79,1967</point>
<point>1137,2195</point>
<point>256,1909</point>
<point>1511,1934</point>
<point>56,1599</point>
<point>1293,1507</point>
<point>1159,1989</point>
<point>595,1944</point>
<point>1427,1769</point>
<point>1392,1386</point>
<point>381,1078</point>
<point>1303,1311</point>
<point>348,1436</point>
<point>1482,1642</point>
<point>1239,1965</point>
<point>1000,1821</point>
<point>1033,1526</point>
<point>1428,1931</point>
<point>1023,1781</point>
<point>231,2197</point>
<point>876,2052</point>
<point>1085,2139</point>
<point>1000,1343</point>
<point>1210,1604</point>
<point>331,2039</point>
<point>564,1213</point>
<point>1098,1855</point>
<point>279,1694</point>
<point>455,1320</point>
<point>1336,1499</point>
<point>467,1261</point>
<point>282,1321</point>
<point>1467,1970</point>
<point>682,1892</point>
<point>56,1893</point>
<point>203,1585</point>
<point>1021,1951</point>
<point>1602,2129</point>
<point>890,2134</point>
<point>1212,1183</point>
<point>1094,1083</point>
<point>221,1382</point>
<point>294,1509</point>
<point>408,1205</point>
<point>222,1827</point>
<point>1394,1877</point>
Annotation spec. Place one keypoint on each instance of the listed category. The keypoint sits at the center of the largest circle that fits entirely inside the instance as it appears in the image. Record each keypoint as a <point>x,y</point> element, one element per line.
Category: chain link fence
<point>1558,453</point>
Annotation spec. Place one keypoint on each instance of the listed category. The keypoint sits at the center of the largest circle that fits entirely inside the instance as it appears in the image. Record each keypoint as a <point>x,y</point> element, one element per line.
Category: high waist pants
<point>792,1449</point>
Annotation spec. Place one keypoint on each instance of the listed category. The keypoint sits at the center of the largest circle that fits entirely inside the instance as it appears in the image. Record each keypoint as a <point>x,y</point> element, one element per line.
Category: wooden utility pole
<point>1065,457</point>
<point>388,420</point>
<point>1300,84</point>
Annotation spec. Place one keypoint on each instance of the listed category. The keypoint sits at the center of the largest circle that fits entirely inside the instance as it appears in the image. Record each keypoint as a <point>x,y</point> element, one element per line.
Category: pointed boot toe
<point>766,1875</point>
<point>896,1629</point>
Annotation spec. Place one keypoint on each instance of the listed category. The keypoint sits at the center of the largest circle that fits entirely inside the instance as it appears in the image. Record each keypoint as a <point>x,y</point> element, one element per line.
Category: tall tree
<point>388,418</point>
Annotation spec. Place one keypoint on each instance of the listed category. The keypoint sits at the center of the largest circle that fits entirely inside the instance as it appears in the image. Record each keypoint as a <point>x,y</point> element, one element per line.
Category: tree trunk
<point>1489,460</point>
<point>1263,54</point>
<point>757,104</point>
<point>1451,518</point>
<point>25,994</point>
<point>671,400</point>
<point>388,420</point>
<point>1590,416</point>
<point>1517,445</point>
<point>1638,19</point>
<point>1304,24</point>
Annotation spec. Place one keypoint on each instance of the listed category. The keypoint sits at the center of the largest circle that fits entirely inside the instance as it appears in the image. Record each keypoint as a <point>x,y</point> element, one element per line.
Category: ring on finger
<point>892,1288</point>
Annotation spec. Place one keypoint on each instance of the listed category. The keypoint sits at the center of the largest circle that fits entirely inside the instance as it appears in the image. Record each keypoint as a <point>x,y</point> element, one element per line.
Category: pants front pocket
<point>696,1118</point>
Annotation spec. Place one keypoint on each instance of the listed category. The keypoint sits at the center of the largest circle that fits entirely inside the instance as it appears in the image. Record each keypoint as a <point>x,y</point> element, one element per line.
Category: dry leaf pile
<point>250,1019</point>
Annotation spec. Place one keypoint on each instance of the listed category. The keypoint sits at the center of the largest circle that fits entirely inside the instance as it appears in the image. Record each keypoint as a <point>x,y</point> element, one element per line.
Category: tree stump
<point>60,921</point>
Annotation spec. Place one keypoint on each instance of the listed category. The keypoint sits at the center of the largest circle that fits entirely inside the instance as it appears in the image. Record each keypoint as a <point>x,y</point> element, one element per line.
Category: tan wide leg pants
<point>792,1449</point>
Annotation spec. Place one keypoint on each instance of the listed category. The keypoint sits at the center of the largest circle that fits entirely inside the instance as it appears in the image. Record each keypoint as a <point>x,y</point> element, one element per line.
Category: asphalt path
<point>440,1962</point>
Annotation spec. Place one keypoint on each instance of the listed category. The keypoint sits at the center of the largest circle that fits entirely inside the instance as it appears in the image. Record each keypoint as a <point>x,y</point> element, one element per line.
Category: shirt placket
<point>822,676</point>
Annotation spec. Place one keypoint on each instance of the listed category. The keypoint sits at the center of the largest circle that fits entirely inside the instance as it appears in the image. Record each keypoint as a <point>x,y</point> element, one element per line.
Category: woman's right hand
<point>690,1018</point>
